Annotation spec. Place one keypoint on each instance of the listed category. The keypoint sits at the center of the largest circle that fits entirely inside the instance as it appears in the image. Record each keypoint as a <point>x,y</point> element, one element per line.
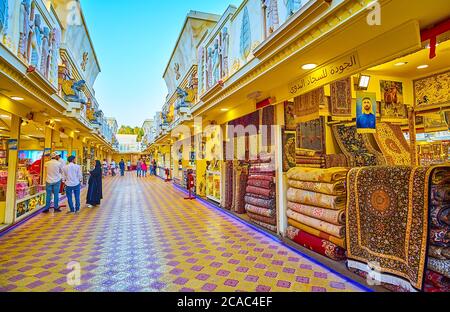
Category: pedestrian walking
<point>113,168</point>
<point>139,168</point>
<point>122,168</point>
<point>129,165</point>
<point>155,167</point>
<point>73,177</point>
<point>53,181</point>
<point>95,192</point>
<point>144,169</point>
<point>105,168</point>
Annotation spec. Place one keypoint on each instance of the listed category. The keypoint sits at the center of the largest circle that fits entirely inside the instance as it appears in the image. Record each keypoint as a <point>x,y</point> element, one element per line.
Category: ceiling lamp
<point>309,66</point>
<point>401,64</point>
<point>17,98</point>
<point>364,81</point>
<point>422,66</point>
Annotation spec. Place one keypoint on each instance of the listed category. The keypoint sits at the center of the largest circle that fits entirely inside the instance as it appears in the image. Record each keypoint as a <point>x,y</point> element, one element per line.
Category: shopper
<point>139,168</point>
<point>144,168</point>
<point>113,168</point>
<point>105,168</point>
<point>73,178</point>
<point>122,168</point>
<point>53,181</point>
<point>155,167</point>
<point>95,193</point>
<point>129,165</point>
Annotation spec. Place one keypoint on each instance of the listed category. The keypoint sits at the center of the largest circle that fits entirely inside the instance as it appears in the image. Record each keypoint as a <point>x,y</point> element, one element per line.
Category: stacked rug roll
<point>316,204</point>
<point>438,271</point>
<point>240,177</point>
<point>309,158</point>
<point>260,202</point>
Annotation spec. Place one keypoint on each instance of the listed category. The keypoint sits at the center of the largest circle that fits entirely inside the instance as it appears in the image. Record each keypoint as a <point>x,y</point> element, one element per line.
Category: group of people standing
<point>70,174</point>
<point>112,167</point>
<point>142,168</point>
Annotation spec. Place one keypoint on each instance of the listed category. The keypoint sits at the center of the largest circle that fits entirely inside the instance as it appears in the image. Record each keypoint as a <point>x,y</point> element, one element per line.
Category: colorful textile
<point>341,99</point>
<point>356,147</point>
<point>441,176</point>
<point>317,175</point>
<point>440,194</point>
<point>311,135</point>
<point>268,120</point>
<point>268,220</point>
<point>393,144</point>
<point>335,240</point>
<point>336,217</point>
<point>332,229</point>
<point>260,210</point>
<point>336,188</point>
<point>260,191</point>
<point>264,203</point>
<point>439,266</point>
<point>440,216</point>
<point>260,177</point>
<point>387,221</point>
<point>440,237</point>
<point>437,280</point>
<point>259,196</point>
<point>305,160</point>
<point>309,166</point>
<point>307,106</point>
<point>338,160</point>
<point>261,184</point>
<point>241,173</point>
<point>305,152</point>
<point>270,227</point>
<point>440,253</point>
<point>228,185</point>
<point>316,244</point>
<point>316,199</point>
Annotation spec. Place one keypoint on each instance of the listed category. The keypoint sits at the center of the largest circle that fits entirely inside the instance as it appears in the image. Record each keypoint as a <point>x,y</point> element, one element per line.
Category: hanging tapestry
<point>289,116</point>
<point>341,99</point>
<point>434,122</point>
<point>307,106</point>
<point>289,143</point>
<point>387,222</point>
<point>228,185</point>
<point>366,112</point>
<point>268,122</point>
<point>434,90</point>
<point>311,135</point>
<point>356,147</point>
<point>392,104</point>
<point>393,144</point>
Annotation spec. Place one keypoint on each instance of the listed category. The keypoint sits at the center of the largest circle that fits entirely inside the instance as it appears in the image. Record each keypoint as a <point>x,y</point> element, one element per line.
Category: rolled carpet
<point>260,191</point>
<point>440,237</point>
<point>332,161</point>
<point>316,199</point>
<point>268,220</point>
<point>270,227</point>
<point>260,177</point>
<point>309,161</point>
<point>316,244</point>
<point>315,166</point>
<point>332,229</point>
<point>336,217</point>
<point>305,152</point>
<point>261,184</point>
<point>440,253</point>
<point>440,216</point>
<point>437,280</point>
<point>264,203</point>
<point>336,188</point>
<point>317,175</point>
<point>260,196</point>
<point>439,266</point>
<point>260,211</point>
<point>335,240</point>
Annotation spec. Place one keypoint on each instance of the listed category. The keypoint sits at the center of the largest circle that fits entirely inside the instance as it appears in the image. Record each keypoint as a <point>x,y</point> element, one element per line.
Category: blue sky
<point>133,41</point>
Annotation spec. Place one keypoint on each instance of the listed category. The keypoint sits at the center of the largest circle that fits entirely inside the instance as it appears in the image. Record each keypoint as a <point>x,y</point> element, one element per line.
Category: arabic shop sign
<point>326,74</point>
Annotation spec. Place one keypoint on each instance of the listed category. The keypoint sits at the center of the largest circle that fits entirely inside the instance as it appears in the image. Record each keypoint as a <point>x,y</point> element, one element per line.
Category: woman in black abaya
<point>95,192</point>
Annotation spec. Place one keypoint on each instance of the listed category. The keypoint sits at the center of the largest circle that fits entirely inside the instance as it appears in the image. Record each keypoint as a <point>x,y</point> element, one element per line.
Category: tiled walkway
<point>146,237</point>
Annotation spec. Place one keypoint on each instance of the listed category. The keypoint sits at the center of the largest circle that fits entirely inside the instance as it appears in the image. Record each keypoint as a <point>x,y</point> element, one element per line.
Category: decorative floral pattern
<point>433,90</point>
<point>393,144</point>
<point>341,98</point>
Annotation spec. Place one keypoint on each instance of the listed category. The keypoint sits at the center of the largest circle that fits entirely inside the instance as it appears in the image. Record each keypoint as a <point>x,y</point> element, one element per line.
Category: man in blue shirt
<point>367,119</point>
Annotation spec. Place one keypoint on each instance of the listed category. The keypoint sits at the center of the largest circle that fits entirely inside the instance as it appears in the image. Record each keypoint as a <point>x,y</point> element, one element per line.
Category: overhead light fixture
<point>5,116</point>
<point>224,109</point>
<point>400,63</point>
<point>422,66</point>
<point>57,120</point>
<point>17,98</point>
<point>364,81</point>
<point>76,131</point>
<point>309,66</point>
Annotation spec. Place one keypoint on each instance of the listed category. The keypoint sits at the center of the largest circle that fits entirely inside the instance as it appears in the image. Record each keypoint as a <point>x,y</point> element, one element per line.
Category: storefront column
<point>13,160</point>
<point>280,175</point>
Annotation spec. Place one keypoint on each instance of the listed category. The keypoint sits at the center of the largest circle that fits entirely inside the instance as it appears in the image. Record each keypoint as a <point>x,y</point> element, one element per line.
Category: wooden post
<point>13,160</point>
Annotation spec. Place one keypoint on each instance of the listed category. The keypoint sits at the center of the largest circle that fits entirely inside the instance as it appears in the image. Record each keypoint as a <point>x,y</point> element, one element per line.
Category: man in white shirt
<point>53,181</point>
<point>113,168</point>
<point>72,178</point>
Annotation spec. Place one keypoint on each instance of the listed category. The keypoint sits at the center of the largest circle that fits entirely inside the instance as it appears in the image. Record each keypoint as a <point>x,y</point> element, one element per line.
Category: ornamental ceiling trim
<point>325,26</point>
